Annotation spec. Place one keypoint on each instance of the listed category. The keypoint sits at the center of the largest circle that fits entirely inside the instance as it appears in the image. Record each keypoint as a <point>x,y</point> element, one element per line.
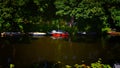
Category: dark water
<point>64,51</point>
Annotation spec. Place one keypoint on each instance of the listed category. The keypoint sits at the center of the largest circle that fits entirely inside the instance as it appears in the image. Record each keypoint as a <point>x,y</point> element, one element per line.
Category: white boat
<point>37,33</point>
<point>116,65</point>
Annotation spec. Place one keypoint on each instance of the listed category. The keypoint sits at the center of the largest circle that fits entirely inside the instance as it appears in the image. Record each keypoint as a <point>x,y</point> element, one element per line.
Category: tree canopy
<point>99,13</point>
<point>15,14</point>
<point>89,15</point>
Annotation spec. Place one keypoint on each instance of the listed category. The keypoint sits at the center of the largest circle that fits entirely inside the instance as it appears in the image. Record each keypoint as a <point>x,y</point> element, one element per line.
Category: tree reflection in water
<point>7,53</point>
<point>44,51</point>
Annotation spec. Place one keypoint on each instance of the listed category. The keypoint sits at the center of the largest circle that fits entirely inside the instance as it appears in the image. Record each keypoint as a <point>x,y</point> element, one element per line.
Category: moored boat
<point>114,33</point>
<point>58,33</point>
<point>37,33</point>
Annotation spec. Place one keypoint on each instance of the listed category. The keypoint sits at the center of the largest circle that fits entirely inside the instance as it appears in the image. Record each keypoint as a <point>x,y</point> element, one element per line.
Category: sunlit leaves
<point>59,12</point>
<point>85,12</point>
<point>18,20</point>
<point>59,4</point>
<point>37,2</point>
<point>92,10</point>
<point>1,20</point>
<point>117,18</point>
<point>6,12</point>
<point>85,8</point>
<point>64,9</point>
<point>115,15</point>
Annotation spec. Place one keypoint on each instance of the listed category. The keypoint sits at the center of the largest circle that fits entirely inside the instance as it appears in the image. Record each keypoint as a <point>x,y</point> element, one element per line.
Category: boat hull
<point>112,33</point>
<point>57,34</point>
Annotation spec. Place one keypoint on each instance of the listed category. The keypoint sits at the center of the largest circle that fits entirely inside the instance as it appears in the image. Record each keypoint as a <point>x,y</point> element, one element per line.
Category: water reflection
<point>59,37</point>
<point>7,53</point>
<point>45,51</point>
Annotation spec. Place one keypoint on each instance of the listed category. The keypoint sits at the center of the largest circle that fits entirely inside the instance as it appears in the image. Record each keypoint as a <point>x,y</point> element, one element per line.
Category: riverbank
<point>59,64</point>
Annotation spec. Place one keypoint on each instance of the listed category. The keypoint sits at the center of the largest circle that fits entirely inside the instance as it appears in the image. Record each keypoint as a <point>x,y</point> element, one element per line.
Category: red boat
<point>59,33</point>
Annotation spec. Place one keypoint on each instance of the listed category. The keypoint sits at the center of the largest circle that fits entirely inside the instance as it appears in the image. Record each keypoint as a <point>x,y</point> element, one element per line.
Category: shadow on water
<point>46,64</point>
<point>7,49</point>
<point>84,38</point>
<point>6,53</point>
<point>112,50</point>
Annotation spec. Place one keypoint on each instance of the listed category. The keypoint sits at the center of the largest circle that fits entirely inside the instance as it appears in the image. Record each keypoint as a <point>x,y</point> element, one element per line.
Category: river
<point>58,50</point>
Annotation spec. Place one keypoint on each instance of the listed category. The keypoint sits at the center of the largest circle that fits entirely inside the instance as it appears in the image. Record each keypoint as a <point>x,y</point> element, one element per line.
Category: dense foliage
<point>91,15</point>
<point>69,15</point>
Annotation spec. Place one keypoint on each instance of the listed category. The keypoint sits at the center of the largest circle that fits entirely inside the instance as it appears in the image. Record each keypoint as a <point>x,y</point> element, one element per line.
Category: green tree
<point>112,10</point>
<point>16,15</point>
<point>91,15</point>
<point>9,13</point>
<point>86,12</point>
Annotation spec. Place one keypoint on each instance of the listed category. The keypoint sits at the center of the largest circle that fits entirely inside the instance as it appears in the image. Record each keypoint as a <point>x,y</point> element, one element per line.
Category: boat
<point>37,33</point>
<point>58,33</point>
<point>116,65</point>
<point>114,33</point>
<point>4,34</point>
<point>87,33</point>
